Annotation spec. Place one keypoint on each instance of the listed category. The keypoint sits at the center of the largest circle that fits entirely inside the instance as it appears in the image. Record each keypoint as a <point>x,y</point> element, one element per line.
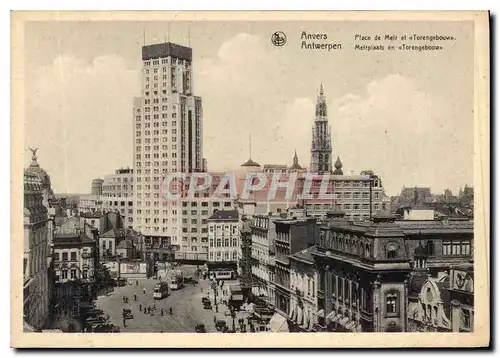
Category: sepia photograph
<point>313,175</point>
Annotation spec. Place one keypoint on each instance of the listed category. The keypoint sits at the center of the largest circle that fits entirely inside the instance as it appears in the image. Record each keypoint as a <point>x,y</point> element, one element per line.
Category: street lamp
<point>214,287</point>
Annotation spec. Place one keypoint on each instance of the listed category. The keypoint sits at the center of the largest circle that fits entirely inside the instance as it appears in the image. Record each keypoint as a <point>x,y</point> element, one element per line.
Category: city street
<point>186,304</point>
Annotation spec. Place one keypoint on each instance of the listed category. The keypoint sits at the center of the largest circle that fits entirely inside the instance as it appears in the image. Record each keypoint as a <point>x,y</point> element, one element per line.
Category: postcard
<point>250,179</point>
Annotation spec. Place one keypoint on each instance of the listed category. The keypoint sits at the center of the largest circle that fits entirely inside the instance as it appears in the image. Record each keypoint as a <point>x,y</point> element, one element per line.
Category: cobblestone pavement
<point>186,303</point>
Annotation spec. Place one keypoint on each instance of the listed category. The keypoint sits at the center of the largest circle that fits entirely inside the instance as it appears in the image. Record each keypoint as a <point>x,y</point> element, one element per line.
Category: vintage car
<point>200,328</point>
<point>207,305</point>
<point>127,313</point>
<point>221,325</point>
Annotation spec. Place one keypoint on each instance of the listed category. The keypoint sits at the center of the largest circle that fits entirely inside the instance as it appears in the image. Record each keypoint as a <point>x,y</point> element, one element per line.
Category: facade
<point>109,243</point>
<point>388,275</point>
<point>462,297</point>
<point>263,257</point>
<point>167,138</point>
<point>303,290</point>
<point>363,269</point>
<point>292,235</point>
<point>89,203</point>
<point>275,168</point>
<point>321,145</point>
<point>429,308</point>
<point>75,258</point>
<point>224,237</point>
<point>126,250</point>
<point>118,194</point>
<point>37,252</point>
<point>359,196</point>
<point>75,253</point>
<point>96,188</point>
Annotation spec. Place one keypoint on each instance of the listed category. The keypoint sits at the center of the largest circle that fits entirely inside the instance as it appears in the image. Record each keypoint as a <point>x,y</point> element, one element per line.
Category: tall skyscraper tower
<point>321,146</point>
<point>167,137</point>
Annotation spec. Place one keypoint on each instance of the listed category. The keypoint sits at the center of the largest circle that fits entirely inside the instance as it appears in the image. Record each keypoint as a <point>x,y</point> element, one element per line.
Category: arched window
<point>391,251</point>
<point>430,247</point>
<point>392,303</point>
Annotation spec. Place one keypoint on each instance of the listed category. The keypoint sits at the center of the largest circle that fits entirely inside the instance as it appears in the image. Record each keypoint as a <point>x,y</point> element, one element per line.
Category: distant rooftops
<point>167,49</point>
<point>92,215</point>
<point>224,215</point>
<point>124,171</point>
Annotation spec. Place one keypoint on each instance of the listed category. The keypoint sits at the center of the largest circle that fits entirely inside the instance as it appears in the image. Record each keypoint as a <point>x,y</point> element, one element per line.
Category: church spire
<point>321,103</point>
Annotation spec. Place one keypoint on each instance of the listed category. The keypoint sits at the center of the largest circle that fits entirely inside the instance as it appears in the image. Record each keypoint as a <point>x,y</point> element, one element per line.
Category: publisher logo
<point>278,39</point>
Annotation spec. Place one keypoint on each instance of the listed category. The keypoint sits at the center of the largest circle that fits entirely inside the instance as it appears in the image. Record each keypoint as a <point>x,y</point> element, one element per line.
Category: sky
<point>408,116</point>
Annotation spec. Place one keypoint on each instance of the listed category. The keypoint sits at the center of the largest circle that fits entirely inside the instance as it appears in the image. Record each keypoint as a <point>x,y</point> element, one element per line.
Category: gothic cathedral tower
<point>321,146</point>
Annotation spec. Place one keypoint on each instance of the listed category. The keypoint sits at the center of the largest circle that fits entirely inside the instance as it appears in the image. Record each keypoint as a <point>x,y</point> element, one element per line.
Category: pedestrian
<point>144,290</point>
<point>215,319</point>
<point>140,307</point>
<point>136,283</point>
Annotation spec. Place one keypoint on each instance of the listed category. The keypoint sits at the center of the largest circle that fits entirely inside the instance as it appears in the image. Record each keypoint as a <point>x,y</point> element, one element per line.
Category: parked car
<point>221,325</point>
<point>127,314</point>
<point>207,305</point>
<point>200,328</point>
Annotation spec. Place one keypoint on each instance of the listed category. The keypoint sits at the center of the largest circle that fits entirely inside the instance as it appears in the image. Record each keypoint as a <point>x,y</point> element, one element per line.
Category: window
<point>73,256</point>
<point>391,251</point>
<point>65,258</point>
<point>85,274</point>
<point>391,304</point>
<point>455,248</point>
<point>446,248</point>
<point>465,248</point>
<point>73,274</point>
<point>64,274</point>
<point>430,247</point>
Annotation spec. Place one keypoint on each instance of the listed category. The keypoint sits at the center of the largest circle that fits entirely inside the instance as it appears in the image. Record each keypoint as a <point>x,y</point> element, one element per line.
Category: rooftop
<point>250,163</point>
<point>224,215</point>
<point>167,49</point>
<point>305,255</point>
<point>94,215</point>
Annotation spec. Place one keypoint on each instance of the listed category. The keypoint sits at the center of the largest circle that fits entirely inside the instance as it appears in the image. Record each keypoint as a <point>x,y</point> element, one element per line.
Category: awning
<point>321,313</point>
<point>278,323</point>
<point>28,327</point>
<point>350,325</point>
<point>299,316</point>
<point>343,321</point>
<point>330,316</point>
<point>311,324</point>
<point>237,297</point>
<point>293,312</point>
<point>306,321</point>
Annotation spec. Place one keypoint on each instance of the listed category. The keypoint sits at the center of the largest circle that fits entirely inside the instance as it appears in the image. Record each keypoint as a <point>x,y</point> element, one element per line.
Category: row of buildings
<point>383,275</point>
<point>168,138</point>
